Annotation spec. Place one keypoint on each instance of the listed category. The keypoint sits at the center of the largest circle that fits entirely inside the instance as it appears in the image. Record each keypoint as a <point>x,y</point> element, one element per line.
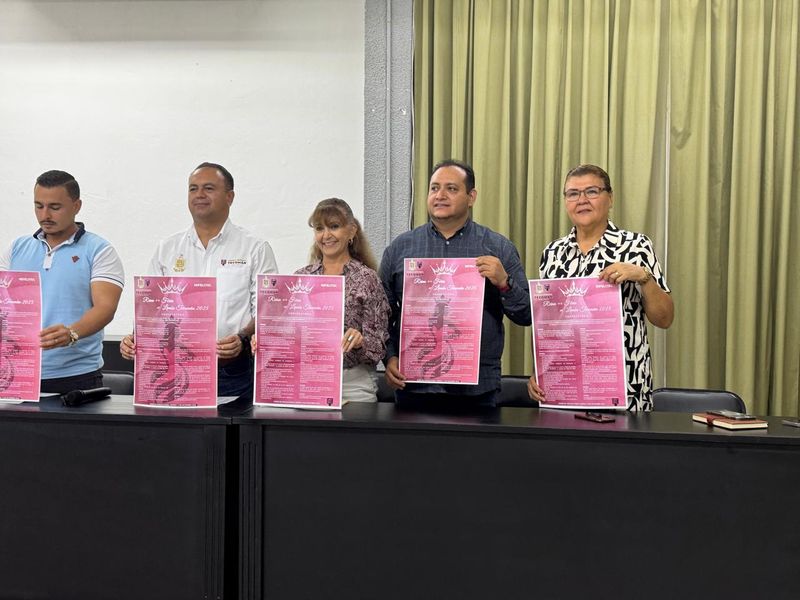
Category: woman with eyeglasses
<point>597,247</point>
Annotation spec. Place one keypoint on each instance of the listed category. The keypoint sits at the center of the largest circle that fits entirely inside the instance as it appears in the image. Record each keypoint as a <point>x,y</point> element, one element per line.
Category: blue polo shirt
<point>67,272</point>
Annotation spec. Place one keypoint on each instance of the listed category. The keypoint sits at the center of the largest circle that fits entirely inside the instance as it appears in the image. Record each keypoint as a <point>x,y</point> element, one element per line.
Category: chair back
<point>690,401</point>
<point>120,382</point>
<point>514,392</point>
<point>385,392</point>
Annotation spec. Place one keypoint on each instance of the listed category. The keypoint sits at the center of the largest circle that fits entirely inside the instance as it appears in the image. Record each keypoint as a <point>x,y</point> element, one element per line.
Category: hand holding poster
<point>440,326</point>
<point>578,342</point>
<point>176,331</point>
<point>20,323</point>
<point>299,328</point>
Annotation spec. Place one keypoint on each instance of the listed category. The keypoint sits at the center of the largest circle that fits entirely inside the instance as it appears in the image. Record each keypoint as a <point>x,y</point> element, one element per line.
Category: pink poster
<point>176,336</point>
<point>299,332</point>
<point>20,323</point>
<point>440,324</point>
<point>578,342</point>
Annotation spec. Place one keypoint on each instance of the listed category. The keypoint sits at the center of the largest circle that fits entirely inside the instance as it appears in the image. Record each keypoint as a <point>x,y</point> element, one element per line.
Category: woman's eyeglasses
<point>591,193</point>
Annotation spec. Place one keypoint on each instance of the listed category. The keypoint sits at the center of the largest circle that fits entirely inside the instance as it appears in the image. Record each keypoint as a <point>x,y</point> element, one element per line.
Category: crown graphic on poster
<point>5,282</point>
<point>299,287</point>
<point>444,269</point>
<point>574,291</point>
<point>172,287</point>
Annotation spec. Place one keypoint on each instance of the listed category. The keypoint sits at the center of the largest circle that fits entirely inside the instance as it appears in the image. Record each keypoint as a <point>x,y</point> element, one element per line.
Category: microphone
<point>81,397</point>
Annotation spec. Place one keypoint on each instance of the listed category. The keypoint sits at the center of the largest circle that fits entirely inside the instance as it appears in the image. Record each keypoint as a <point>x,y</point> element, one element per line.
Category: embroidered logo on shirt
<point>180,264</point>
<point>75,258</point>
<point>233,261</point>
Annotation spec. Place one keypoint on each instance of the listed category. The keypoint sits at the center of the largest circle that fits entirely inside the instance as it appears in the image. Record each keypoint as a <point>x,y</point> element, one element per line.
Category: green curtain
<point>733,205</point>
<point>692,108</point>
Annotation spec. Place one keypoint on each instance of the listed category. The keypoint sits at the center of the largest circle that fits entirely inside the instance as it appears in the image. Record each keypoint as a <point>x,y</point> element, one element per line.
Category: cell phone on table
<point>595,417</point>
<point>731,414</point>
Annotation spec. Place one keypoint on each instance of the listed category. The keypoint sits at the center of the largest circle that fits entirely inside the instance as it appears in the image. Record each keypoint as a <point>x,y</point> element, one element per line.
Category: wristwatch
<point>73,336</point>
<point>648,275</point>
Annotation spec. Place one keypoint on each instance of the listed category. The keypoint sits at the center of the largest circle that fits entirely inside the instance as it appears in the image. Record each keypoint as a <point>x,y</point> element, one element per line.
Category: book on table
<point>729,423</point>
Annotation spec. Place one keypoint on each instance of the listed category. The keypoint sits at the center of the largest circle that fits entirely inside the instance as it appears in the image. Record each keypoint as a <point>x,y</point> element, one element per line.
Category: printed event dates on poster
<point>299,328</point>
<point>20,323</point>
<point>442,314</point>
<point>176,341</point>
<point>578,342</point>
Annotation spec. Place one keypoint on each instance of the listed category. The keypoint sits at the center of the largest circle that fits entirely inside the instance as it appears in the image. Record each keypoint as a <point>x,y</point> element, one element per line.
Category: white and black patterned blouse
<point>563,258</point>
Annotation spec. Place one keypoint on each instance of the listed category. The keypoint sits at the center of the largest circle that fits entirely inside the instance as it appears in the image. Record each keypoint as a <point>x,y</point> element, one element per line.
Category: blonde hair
<point>336,210</point>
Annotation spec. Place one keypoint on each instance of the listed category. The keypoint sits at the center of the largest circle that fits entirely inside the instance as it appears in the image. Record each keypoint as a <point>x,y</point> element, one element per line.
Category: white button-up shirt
<point>234,256</point>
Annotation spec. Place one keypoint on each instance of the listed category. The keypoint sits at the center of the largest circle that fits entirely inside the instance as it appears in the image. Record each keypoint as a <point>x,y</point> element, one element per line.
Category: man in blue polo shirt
<point>82,280</point>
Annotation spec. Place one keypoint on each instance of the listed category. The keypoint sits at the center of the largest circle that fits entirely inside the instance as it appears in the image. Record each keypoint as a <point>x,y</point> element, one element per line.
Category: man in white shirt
<point>215,247</point>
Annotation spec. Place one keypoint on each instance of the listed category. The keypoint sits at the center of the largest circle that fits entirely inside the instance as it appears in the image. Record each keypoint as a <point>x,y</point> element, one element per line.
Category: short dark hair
<point>588,169</point>
<point>53,179</point>
<point>469,179</point>
<point>226,175</point>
